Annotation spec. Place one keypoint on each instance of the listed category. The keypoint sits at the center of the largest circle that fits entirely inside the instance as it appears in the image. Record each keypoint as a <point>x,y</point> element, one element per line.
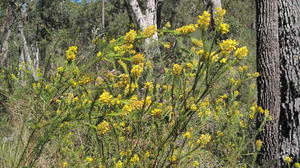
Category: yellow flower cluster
<point>219,15</point>
<point>148,85</point>
<point>119,164</point>
<point>130,36</point>
<point>71,53</point>
<point>197,43</point>
<point>224,28</point>
<point>135,158</point>
<point>105,97</point>
<point>241,53</point>
<point>137,70</point>
<point>123,48</point>
<point>60,69</point>
<point>258,144</point>
<point>227,46</point>
<point>89,159</point>
<point>204,139</point>
<point>85,80</point>
<point>156,112</point>
<point>204,20</point>
<point>149,31</point>
<point>138,58</point>
<point>177,69</point>
<point>186,29</point>
<point>103,127</point>
<point>243,68</point>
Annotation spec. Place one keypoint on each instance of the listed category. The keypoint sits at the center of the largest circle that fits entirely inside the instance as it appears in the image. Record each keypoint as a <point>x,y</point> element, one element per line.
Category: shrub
<point>133,112</point>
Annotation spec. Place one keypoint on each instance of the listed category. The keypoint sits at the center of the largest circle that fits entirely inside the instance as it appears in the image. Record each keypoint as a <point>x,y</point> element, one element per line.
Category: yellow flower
<point>258,144</point>
<point>297,165</point>
<point>136,70</point>
<point>204,139</point>
<point>287,159</point>
<point>65,164</point>
<point>197,43</point>
<point>241,53</point>
<point>186,29</point>
<point>99,54</point>
<point>156,112</point>
<point>193,107</point>
<point>119,164</point>
<point>103,127</point>
<point>173,158</point>
<point>130,36</point>
<point>73,49</point>
<point>219,15</point>
<point>138,58</point>
<point>228,45</point>
<point>199,52</point>
<point>148,100</point>
<point>135,158</point>
<point>189,65</point>
<point>148,85</point>
<point>168,25</point>
<point>147,154</point>
<point>204,20</point>
<point>196,164</point>
<point>223,60</point>
<point>60,69</point>
<point>89,159</point>
<point>177,69</point>
<point>187,135</point>
<point>105,97</point>
<point>167,45</point>
<point>243,68</point>
<point>71,53</point>
<point>149,31</point>
<point>224,28</point>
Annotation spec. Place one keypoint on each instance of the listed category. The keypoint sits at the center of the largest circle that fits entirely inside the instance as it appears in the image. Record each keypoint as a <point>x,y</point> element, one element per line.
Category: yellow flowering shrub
<point>127,110</point>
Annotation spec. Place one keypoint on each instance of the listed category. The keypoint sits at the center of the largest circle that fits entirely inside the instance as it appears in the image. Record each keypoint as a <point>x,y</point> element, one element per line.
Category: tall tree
<point>278,34</point>
<point>268,84</point>
<point>289,41</point>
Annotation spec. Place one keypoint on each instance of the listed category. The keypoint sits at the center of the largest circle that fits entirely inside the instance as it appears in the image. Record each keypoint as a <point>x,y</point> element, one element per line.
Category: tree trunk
<point>268,84</point>
<point>289,41</point>
<point>31,64</point>
<point>4,50</point>
<point>212,5</point>
<point>5,31</point>
<point>144,21</point>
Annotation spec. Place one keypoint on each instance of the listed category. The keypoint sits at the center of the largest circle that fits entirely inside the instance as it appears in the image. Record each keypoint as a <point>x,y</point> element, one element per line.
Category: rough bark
<point>268,83</point>
<point>289,40</point>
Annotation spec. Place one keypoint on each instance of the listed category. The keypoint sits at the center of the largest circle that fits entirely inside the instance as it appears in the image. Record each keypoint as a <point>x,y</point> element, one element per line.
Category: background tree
<point>289,42</point>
